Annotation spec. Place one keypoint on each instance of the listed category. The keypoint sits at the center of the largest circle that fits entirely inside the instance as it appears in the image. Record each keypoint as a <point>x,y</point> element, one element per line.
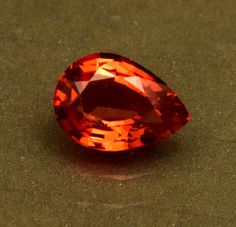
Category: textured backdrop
<point>188,180</point>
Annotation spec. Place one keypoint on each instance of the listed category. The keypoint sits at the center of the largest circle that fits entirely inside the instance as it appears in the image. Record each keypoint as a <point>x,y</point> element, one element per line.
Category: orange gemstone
<point>107,102</point>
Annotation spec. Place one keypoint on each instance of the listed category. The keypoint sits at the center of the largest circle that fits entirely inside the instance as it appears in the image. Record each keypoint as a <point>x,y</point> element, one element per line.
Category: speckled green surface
<point>188,180</point>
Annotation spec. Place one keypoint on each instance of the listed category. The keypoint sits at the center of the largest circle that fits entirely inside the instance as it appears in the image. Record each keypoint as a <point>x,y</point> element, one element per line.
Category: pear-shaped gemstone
<point>107,102</point>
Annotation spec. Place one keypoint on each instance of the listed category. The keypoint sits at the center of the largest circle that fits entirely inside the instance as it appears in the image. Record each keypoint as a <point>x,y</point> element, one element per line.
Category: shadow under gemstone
<point>124,165</point>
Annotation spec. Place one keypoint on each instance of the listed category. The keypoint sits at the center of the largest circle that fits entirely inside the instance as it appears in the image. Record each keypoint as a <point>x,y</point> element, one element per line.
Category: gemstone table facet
<point>109,103</point>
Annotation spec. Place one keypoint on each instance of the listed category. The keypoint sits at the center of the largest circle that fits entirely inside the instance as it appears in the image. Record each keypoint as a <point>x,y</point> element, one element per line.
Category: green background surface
<point>187,180</point>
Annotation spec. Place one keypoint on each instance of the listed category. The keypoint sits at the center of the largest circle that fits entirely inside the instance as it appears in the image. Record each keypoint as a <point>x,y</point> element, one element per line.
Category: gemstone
<point>109,103</point>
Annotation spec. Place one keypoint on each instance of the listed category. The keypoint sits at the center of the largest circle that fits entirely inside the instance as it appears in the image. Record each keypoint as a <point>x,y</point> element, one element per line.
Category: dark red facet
<point>107,102</point>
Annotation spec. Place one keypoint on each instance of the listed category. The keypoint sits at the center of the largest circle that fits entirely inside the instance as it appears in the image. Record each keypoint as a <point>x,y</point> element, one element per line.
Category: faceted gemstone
<point>109,103</point>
